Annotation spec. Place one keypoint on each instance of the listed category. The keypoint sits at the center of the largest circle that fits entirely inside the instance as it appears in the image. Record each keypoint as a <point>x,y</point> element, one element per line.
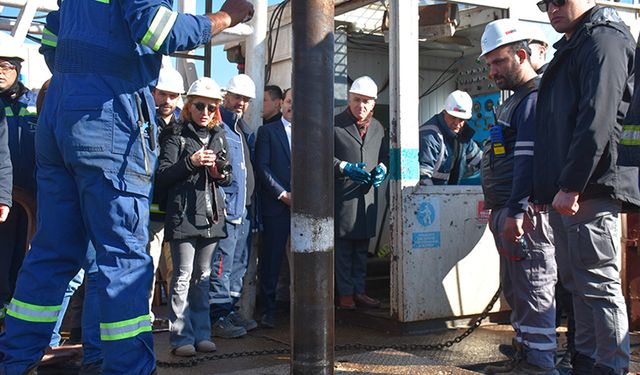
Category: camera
<point>223,165</point>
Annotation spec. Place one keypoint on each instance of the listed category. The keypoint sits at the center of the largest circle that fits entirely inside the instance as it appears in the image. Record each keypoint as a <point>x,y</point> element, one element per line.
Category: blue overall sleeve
<point>473,158</point>
<point>154,24</point>
<point>523,156</point>
<point>430,155</point>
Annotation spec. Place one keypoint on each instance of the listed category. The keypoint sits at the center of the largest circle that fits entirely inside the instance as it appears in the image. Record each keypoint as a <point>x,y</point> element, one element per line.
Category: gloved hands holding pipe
<point>357,173</point>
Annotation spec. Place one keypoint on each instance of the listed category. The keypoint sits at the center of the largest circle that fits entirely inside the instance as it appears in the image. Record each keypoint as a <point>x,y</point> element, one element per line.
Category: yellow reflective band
<point>48,38</point>
<point>29,111</point>
<point>155,208</point>
<point>8,111</point>
<point>160,27</point>
<point>125,329</point>
<point>33,313</point>
<point>630,135</point>
<point>103,1</point>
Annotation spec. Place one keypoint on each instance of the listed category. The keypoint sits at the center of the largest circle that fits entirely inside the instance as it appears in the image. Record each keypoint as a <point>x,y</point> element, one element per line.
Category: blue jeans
<point>189,315</point>
<point>229,265</point>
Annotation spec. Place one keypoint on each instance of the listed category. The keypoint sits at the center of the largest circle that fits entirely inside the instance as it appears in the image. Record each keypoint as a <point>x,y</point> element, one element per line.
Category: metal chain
<point>338,348</point>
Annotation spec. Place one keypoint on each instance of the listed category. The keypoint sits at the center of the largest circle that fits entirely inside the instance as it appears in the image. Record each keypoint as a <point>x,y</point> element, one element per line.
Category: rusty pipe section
<point>312,231</point>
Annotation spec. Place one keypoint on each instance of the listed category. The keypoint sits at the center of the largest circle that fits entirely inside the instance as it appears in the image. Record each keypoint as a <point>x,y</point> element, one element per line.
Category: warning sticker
<point>426,240</point>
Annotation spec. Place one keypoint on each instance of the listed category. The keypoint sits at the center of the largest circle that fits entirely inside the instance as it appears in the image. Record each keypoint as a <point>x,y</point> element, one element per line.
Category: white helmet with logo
<point>365,86</point>
<point>459,104</point>
<point>170,80</point>
<point>205,87</point>
<point>501,32</point>
<point>243,85</point>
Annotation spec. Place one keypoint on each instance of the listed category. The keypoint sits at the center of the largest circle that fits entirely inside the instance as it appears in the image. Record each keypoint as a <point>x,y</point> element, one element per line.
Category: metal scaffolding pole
<point>312,231</point>
<point>403,98</point>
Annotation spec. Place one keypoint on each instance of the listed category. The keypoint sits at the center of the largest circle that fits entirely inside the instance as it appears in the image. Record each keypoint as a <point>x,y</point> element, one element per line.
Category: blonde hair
<point>185,114</point>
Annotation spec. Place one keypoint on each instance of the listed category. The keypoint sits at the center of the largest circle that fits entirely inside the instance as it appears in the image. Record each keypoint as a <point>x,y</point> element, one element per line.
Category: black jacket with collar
<point>195,206</point>
<point>583,97</point>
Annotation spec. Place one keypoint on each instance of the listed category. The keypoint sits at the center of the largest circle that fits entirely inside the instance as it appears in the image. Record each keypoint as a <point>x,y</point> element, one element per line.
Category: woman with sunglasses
<point>190,169</point>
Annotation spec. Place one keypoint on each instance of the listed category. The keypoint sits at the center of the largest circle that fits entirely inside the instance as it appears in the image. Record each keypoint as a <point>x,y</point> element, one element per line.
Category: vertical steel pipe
<point>312,231</point>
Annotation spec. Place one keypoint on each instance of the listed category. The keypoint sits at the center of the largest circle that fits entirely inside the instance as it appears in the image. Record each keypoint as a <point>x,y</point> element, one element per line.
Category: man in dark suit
<point>358,155</point>
<point>273,169</point>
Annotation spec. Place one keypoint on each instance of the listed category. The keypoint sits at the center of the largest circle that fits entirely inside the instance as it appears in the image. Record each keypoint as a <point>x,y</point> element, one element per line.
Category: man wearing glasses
<point>582,99</point>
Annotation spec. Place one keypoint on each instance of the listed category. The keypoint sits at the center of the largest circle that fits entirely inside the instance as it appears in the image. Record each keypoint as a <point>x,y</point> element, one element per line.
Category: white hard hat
<point>11,48</point>
<point>205,87</point>
<point>501,32</point>
<point>459,104</point>
<point>536,34</point>
<point>243,85</point>
<point>365,86</point>
<point>170,80</point>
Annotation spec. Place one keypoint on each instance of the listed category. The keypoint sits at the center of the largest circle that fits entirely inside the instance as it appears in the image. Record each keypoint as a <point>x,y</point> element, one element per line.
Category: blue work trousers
<point>588,255</point>
<point>85,193</point>
<point>528,277</point>
<point>229,256</point>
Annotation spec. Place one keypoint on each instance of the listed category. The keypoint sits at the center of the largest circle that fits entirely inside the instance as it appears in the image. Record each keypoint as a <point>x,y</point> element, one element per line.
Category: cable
<point>274,23</point>
<point>437,84</point>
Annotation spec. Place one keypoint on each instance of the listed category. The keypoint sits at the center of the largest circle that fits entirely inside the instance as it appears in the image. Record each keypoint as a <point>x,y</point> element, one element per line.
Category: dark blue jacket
<point>273,168</point>
<point>438,152</point>
<point>21,120</point>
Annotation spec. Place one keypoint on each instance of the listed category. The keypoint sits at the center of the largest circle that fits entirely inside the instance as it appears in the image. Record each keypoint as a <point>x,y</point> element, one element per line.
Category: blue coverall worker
<point>591,80</point>
<point>19,106</point>
<point>95,167</point>
<point>522,235</point>
<point>447,156</point>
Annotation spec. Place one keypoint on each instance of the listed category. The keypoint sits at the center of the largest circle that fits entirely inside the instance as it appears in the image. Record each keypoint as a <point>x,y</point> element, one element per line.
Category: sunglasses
<point>544,4</point>
<point>200,106</point>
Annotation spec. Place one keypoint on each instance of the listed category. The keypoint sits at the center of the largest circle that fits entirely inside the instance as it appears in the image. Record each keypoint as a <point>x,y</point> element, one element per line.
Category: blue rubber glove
<point>379,174</point>
<point>357,173</point>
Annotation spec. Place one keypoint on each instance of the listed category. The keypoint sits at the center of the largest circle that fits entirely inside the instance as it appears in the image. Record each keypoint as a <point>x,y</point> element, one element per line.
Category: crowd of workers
<point>558,168</point>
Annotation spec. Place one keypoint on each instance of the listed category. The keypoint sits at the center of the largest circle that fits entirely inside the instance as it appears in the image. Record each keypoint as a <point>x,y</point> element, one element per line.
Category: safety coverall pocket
<point>88,119</point>
<point>592,243</point>
<point>540,268</point>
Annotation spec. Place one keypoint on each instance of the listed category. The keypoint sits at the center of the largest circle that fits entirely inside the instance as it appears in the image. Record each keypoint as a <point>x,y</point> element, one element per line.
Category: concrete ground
<point>388,354</point>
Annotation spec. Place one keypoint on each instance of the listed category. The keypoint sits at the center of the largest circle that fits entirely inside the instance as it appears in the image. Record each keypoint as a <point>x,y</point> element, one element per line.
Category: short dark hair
<point>274,91</point>
<point>284,93</point>
<point>521,44</point>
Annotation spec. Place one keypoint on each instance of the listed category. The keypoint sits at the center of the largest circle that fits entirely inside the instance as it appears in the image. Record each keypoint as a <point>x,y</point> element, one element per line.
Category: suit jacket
<point>356,205</point>
<point>273,168</point>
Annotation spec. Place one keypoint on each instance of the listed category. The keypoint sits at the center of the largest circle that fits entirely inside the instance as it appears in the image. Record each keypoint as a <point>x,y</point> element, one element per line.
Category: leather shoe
<point>268,321</point>
<point>363,300</point>
<point>347,303</point>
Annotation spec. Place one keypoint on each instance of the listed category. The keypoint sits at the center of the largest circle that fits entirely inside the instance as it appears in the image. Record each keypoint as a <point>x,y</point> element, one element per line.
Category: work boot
<point>206,346</point>
<point>225,329</point>
<point>582,364</point>
<point>526,368</point>
<point>363,300</point>
<point>238,321</point>
<point>184,351</point>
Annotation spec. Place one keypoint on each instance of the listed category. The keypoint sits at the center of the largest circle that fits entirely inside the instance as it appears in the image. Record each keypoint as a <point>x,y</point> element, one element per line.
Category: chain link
<point>338,348</point>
